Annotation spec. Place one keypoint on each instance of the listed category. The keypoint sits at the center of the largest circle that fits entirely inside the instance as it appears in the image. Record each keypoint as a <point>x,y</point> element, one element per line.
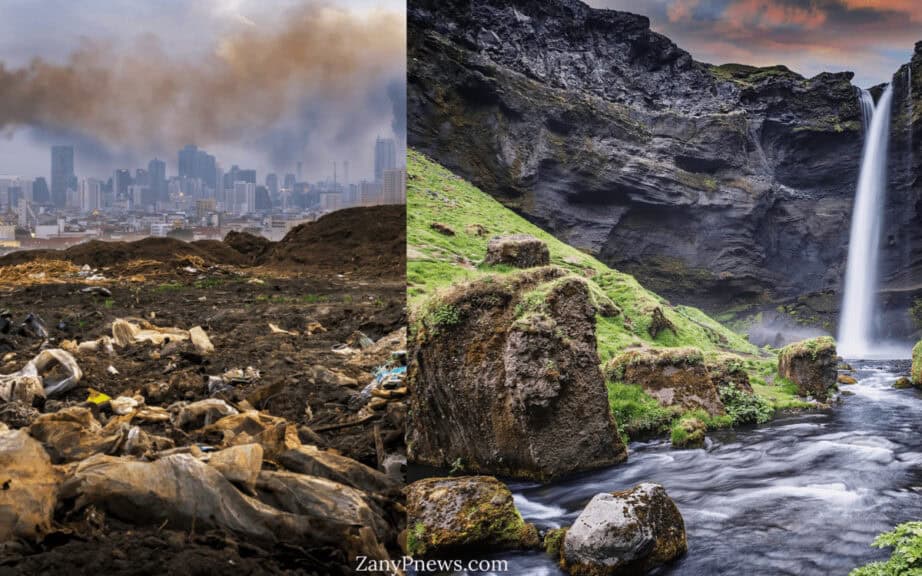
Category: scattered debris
<point>276,330</point>
<point>53,371</point>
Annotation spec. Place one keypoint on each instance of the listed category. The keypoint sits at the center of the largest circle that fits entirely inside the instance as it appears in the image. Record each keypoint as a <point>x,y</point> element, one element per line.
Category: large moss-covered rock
<point>447,517</point>
<point>505,380</point>
<point>811,365</point>
<point>519,250</point>
<point>674,376</point>
<point>627,532</point>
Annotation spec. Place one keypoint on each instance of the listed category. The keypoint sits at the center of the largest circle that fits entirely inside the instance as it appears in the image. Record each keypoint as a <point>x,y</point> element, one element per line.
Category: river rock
<point>505,380</point>
<point>916,373</point>
<point>28,487</point>
<point>627,532</point>
<point>811,365</point>
<point>519,250</point>
<point>448,517</point>
<point>674,376</point>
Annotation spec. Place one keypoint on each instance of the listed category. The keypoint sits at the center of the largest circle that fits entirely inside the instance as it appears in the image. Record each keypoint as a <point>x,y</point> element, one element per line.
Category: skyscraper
<point>121,180</point>
<point>394,189</point>
<point>62,174</point>
<point>385,157</point>
<point>187,161</point>
<point>272,183</point>
<point>156,170</point>
<point>40,193</point>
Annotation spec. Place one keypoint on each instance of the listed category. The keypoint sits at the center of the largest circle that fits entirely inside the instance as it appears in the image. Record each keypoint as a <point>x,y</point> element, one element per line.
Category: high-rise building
<point>156,170</point>
<point>290,181</point>
<point>40,192</point>
<point>369,193</point>
<point>62,174</point>
<point>187,161</point>
<point>244,197</point>
<point>121,180</point>
<point>206,169</point>
<point>272,183</point>
<point>90,196</point>
<point>394,187</point>
<point>247,176</point>
<point>385,156</point>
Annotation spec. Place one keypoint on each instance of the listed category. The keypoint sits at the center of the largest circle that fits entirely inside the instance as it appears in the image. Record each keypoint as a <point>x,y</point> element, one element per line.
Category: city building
<point>394,187</point>
<point>62,174</point>
<point>90,195</point>
<point>385,156</point>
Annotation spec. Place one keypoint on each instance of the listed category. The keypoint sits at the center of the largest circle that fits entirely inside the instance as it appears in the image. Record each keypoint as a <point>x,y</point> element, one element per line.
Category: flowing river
<point>804,494</point>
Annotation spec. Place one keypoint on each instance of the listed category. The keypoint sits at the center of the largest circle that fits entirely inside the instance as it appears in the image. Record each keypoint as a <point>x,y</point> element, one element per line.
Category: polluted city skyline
<point>266,87</point>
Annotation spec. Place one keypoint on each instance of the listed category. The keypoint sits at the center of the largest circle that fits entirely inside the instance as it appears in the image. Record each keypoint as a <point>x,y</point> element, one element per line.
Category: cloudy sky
<point>869,37</point>
<point>258,83</point>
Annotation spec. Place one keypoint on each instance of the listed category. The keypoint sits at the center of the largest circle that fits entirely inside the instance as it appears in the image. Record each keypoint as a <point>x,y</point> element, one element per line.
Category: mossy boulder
<point>627,532</point>
<point>811,365</point>
<point>553,541</point>
<point>451,517</point>
<point>688,433</point>
<point>673,376</point>
<point>728,370</point>
<point>519,250</point>
<point>916,373</point>
<point>509,384</point>
<point>846,379</point>
<point>902,383</point>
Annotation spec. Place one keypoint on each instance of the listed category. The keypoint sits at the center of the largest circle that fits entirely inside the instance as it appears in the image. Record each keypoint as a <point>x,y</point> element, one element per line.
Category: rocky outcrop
<point>709,183</point>
<point>811,365</point>
<point>448,517</point>
<point>504,380</point>
<point>674,376</point>
<point>519,250</point>
<point>628,532</point>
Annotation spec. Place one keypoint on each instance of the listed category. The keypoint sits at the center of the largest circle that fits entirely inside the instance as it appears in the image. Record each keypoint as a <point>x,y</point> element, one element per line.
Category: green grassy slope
<point>437,261</point>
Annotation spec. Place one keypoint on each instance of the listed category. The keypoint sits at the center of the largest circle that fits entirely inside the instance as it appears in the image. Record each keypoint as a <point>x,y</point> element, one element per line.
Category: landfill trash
<point>190,270</point>
<point>42,376</point>
<point>124,405</point>
<point>276,330</point>
<point>389,382</point>
<point>97,291</point>
<point>315,328</point>
<point>126,332</point>
<point>356,342</point>
<point>256,281</point>
<point>359,340</point>
<point>201,413</point>
<point>112,370</point>
<point>30,487</point>
<point>103,343</point>
<point>200,340</point>
<point>186,493</point>
<point>6,322</point>
<point>97,397</point>
<point>239,464</point>
<point>33,326</point>
<point>226,381</point>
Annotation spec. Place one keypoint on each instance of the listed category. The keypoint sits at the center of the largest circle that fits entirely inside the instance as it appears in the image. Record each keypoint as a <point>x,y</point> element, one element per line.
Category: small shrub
<point>906,541</point>
<point>635,411</point>
<point>445,315</point>
<point>745,408</point>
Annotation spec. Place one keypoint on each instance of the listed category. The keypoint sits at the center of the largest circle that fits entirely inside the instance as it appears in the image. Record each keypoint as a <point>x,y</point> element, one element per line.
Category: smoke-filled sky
<point>258,83</point>
<point>872,38</point>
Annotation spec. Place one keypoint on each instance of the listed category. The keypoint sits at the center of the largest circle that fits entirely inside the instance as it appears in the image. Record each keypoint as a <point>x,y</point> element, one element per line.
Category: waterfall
<point>856,324</point>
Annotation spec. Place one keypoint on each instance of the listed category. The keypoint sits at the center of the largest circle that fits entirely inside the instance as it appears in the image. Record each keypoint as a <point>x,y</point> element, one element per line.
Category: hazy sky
<point>872,38</point>
<point>258,83</point>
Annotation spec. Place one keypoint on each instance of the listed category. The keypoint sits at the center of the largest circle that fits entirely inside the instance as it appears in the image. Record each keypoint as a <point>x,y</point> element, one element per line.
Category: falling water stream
<point>805,494</point>
<point>856,325</point>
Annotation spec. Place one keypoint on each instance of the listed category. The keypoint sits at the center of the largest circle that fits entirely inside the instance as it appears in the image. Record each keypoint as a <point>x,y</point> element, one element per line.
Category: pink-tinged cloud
<point>769,14</point>
<point>681,10</point>
<point>871,38</point>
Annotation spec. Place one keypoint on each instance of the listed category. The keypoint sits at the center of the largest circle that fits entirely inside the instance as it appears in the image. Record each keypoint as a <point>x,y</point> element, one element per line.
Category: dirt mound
<point>99,254</point>
<point>247,244</point>
<point>369,241</point>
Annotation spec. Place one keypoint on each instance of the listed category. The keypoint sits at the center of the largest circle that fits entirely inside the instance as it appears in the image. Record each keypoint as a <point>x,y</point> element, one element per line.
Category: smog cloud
<point>255,83</point>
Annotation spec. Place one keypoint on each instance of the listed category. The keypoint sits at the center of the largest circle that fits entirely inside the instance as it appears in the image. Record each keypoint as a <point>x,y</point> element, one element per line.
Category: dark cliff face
<point>901,264</point>
<point>712,184</point>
